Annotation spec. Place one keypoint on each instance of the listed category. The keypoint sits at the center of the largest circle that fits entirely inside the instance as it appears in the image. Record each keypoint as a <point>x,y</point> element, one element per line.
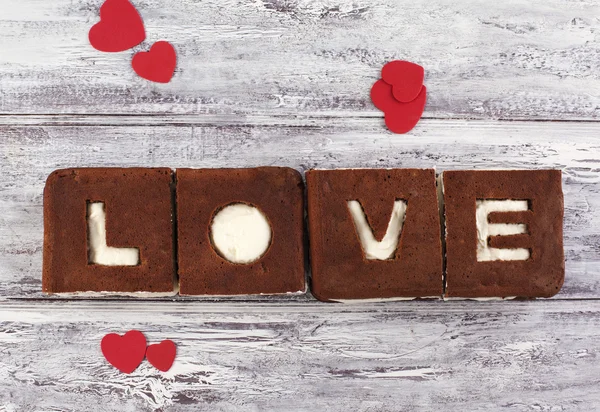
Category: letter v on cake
<point>349,260</point>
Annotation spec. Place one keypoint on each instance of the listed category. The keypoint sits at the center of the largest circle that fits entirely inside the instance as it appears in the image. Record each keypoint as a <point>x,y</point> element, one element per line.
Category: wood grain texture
<point>509,356</point>
<point>286,82</point>
<point>520,59</point>
<point>29,153</point>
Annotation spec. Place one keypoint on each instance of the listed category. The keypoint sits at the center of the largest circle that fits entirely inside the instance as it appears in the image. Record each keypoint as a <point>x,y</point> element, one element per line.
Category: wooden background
<point>511,84</point>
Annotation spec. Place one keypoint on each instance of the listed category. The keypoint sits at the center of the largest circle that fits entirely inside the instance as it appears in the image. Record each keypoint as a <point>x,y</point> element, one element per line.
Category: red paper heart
<point>124,352</point>
<point>399,117</point>
<point>382,96</point>
<point>120,27</point>
<point>162,355</point>
<point>406,79</point>
<point>158,64</point>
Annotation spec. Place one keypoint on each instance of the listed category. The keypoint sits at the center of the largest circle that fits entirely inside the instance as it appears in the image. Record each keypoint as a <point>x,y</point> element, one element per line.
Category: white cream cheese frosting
<point>241,233</point>
<point>485,253</point>
<point>372,248</point>
<point>99,252</point>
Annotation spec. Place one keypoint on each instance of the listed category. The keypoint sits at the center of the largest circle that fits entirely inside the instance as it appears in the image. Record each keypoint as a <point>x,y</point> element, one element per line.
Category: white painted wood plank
<point>541,356</point>
<point>517,59</point>
<point>29,153</point>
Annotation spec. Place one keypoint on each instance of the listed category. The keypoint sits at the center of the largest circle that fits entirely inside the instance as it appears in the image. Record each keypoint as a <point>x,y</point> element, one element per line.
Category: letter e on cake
<point>504,233</point>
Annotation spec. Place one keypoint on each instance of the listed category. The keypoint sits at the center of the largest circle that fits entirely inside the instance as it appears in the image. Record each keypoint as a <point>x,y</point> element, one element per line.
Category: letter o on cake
<point>240,233</point>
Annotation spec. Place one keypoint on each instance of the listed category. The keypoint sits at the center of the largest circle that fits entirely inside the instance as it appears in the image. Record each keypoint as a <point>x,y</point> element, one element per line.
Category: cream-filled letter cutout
<point>485,253</point>
<point>98,251</point>
<point>241,233</point>
<point>386,248</point>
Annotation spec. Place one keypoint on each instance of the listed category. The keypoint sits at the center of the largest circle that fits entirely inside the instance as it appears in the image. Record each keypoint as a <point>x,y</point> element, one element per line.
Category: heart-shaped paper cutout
<point>399,117</point>
<point>124,352</point>
<point>120,27</point>
<point>405,118</point>
<point>162,355</point>
<point>406,79</point>
<point>382,96</point>
<point>158,64</point>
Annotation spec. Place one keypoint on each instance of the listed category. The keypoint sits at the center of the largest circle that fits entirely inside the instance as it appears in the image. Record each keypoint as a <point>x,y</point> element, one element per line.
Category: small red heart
<point>120,27</point>
<point>399,117</point>
<point>406,117</point>
<point>406,79</point>
<point>158,64</point>
<point>162,355</point>
<point>382,96</point>
<point>124,352</point>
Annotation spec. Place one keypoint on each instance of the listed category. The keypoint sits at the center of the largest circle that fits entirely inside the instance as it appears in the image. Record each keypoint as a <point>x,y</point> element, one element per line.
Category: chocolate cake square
<point>240,231</point>
<point>108,230</point>
<point>374,233</point>
<point>504,233</point>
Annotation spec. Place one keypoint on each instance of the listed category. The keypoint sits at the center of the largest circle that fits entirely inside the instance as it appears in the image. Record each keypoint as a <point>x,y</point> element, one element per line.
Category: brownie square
<point>539,272</point>
<point>138,210</point>
<point>278,193</point>
<point>340,268</point>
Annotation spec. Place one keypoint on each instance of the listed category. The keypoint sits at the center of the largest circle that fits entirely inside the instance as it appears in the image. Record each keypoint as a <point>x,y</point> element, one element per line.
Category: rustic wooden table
<point>512,84</point>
